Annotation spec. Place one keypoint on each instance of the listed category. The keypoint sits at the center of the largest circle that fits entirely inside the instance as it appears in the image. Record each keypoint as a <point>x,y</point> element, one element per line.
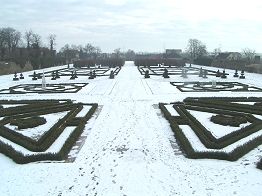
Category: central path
<point>128,144</point>
<point>129,85</point>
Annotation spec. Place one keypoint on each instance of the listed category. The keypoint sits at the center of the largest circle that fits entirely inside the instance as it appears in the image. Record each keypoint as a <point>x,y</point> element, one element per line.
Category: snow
<point>84,111</point>
<point>11,105</point>
<point>54,148</point>
<point>217,130</point>
<point>37,132</point>
<point>130,148</point>
<point>247,103</point>
<point>171,110</point>
<point>199,147</point>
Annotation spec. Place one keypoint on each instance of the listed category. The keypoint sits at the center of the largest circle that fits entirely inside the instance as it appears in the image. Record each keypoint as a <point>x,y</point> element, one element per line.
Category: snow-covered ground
<point>130,148</point>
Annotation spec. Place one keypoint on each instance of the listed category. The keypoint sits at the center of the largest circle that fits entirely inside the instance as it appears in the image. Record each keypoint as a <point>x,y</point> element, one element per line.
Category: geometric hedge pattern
<point>218,86</point>
<point>13,140</point>
<point>181,115</point>
<point>174,70</point>
<point>50,88</point>
<point>84,71</point>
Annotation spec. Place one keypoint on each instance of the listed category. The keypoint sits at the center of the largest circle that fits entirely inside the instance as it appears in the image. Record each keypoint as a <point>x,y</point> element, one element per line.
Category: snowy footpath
<point>130,149</point>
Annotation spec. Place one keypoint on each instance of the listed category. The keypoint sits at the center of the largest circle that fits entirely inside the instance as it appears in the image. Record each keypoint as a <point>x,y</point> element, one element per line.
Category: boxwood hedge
<point>205,136</point>
<point>48,138</point>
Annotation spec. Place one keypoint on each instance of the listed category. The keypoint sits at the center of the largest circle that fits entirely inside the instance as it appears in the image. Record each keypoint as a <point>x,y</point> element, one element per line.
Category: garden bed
<point>28,144</point>
<point>173,70</point>
<point>200,137</point>
<point>50,88</point>
<point>215,87</point>
<point>79,71</point>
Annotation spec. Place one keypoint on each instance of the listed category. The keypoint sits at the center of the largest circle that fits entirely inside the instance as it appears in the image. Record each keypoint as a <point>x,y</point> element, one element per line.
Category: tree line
<point>27,47</point>
<point>196,49</point>
<point>30,47</point>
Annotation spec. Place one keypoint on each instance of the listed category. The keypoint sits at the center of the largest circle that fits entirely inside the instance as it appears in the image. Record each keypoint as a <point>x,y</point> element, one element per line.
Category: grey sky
<point>142,25</point>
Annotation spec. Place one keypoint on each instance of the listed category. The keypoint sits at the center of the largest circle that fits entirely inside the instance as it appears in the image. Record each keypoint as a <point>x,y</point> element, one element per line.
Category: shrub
<point>207,138</point>
<point>30,122</point>
<point>228,120</point>
<point>259,164</point>
<point>258,104</point>
<point>20,158</point>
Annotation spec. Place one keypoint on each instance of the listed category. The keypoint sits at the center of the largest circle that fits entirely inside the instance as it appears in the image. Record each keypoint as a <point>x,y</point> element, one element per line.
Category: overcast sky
<point>141,25</point>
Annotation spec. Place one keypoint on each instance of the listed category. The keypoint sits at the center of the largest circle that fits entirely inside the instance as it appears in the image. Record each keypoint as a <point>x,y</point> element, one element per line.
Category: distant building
<point>229,56</point>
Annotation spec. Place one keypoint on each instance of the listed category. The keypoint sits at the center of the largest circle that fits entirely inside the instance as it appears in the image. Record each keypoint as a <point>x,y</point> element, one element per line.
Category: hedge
<point>68,71</point>
<point>191,153</point>
<point>46,139</point>
<point>224,105</point>
<point>20,158</point>
<point>225,120</point>
<point>198,88</point>
<point>259,164</point>
<point>210,141</point>
<point>34,108</point>
<point>24,123</point>
<point>58,88</point>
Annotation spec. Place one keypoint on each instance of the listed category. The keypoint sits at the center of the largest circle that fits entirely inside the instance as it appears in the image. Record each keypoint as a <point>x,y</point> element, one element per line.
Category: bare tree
<point>51,39</point>
<point>89,49</point>
<point>65,51</point>
<point>3,45</point>
<point>68,52</point>
<point>28,38</point>
<point>16,39</point>
<point>9,38</point>
<point>249,54</point>
<point>117,52</point>
<point>216,51</point>
<point>130,55</point>
<point>97,52</point>
<point>195,49</point>
<point>36,40</point>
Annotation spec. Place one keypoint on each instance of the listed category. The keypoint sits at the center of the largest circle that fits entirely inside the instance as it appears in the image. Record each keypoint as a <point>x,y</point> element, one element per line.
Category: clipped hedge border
<point>210,141</point>
<point>47,138</point>
<point>187,148</point>
<point>153,68</point>
<point>40,101</point>
<point>225,104</point>
<point>30,88</point>
<point>141,71</point>
<point>224,120</point>
<point>259,164</point>
<point>20,158</point>
<point>63,70</point>
<point>30,122</point>
<point>34,109</point>
<point>225,85</point>
<point>227,99</point>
